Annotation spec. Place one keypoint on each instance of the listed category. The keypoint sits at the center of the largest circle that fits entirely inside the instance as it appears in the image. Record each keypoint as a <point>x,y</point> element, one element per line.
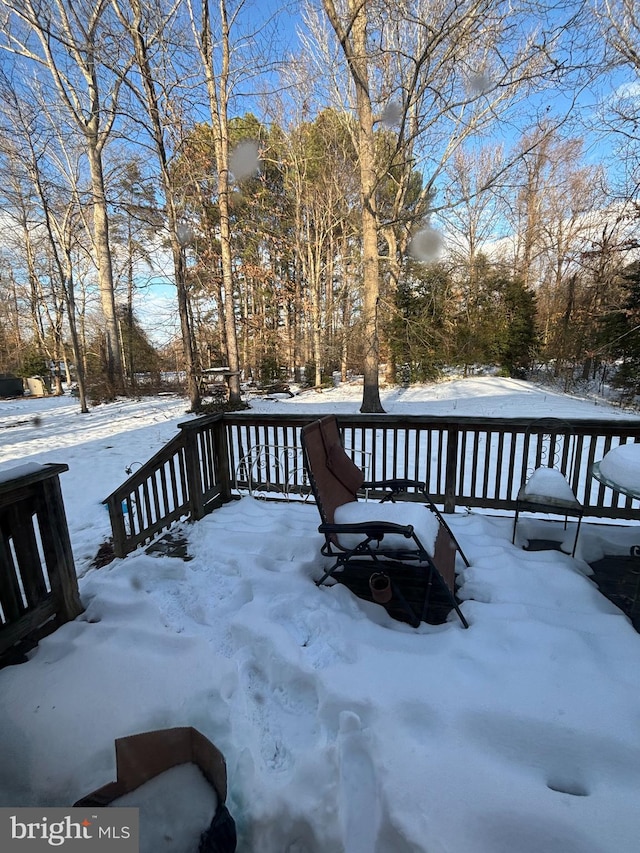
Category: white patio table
<point>619,470</point>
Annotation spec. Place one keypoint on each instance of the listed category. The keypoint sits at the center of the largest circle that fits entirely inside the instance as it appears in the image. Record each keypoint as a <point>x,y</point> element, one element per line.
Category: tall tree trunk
<point>105,271</point>
<point>354,45</point>
<point>231,336</point>
<point>77,348</point>
<point>179,265</point>
<point>218,92</point>
<point>222,329</point>
<point>297,357</point>
<point>371,268</point>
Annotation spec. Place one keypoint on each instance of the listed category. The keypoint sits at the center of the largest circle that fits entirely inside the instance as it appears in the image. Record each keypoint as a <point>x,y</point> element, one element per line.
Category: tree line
<point>404,189</point>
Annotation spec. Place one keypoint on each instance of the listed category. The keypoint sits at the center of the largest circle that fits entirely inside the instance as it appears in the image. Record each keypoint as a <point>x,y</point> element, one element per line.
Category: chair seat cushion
<point>548,486</point>
<point>424,522</point>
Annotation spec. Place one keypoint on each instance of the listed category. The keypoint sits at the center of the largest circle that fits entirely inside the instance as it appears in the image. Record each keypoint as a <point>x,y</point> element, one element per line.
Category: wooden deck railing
<point>186,478</point>
<point>465,462</point>
<point>38,584</point>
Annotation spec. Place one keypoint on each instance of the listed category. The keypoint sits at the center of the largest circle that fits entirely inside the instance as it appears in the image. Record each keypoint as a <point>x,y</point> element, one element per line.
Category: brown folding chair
<point>367,540</point>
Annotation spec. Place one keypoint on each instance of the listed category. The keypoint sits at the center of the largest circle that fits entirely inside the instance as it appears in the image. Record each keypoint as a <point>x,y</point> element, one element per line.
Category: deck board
<point>617,576</point>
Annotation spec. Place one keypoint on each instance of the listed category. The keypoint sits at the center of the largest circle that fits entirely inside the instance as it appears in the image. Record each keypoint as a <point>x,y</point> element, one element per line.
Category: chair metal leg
<point>414,620</point>
<point>434,573</point>
<point>328,573</point>
<point>434,509</point>
<point>575,541</point>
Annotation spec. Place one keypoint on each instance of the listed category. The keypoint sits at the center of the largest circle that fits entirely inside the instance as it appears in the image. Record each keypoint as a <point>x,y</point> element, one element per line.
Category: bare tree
<point>147,32</point>
<point>619,22</point>
<point>351,31</point>
<point>430,75</point>
<point>213,38</point>
<point>323,201</point>
<point>573,192</point>
<point>37,154</point>
<point>475,217</point>
<point>66,39</point>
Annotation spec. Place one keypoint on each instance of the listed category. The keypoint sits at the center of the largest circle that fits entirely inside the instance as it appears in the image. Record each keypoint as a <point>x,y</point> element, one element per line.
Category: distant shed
<point>37,386</point>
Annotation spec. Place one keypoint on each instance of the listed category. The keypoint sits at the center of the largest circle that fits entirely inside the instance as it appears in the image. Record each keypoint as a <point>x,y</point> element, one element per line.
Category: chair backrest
<point>335,479</point>
<point>554,445</point>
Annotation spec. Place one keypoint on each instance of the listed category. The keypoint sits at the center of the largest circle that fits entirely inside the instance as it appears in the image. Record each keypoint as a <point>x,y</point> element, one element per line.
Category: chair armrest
<point>394,485</point>
<point>372,529</point>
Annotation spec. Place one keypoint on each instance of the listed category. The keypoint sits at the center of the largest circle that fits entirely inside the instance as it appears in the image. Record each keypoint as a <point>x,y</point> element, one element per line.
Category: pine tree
<point>417,330</point>
<point>520,336</point>
<point>621,328</point>
<point>140,354</point>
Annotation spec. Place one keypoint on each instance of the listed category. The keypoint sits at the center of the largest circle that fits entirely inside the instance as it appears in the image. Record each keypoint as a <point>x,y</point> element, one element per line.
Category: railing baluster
<point>499,457</point>
<point>223,471</point>
<point>451,468</point>
<point>166,503</point>
<point>487,463</point>
<point>10,596</point>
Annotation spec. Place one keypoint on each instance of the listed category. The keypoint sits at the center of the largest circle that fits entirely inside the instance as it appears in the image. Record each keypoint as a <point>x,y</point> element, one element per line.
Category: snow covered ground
<point>342,729</point>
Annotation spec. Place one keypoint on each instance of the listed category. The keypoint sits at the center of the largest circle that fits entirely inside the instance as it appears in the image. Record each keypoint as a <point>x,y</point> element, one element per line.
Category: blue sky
<point>587,122</point>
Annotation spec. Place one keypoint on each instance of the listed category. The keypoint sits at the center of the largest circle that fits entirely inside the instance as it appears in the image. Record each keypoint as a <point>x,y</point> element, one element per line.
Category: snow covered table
<point>619,470</point>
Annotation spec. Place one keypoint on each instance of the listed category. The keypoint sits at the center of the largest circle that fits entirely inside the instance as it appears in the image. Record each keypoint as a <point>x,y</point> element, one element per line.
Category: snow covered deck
<point>342,728</point>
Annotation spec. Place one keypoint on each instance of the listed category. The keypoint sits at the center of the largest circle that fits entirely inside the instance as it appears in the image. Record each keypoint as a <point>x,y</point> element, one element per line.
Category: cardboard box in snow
<point>141,757</point>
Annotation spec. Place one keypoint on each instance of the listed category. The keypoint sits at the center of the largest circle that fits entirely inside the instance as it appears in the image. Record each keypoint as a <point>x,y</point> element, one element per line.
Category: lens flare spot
<point>479,83</point>
<point>392,114</point>
<point>427,245</point>
<point>244,160</point>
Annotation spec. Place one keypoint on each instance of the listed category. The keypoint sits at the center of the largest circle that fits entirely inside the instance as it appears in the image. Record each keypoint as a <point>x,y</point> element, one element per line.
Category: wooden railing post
<point>192,465</point>
<point>118,529</point>
<point>58,555</point>
<point>451,469</point>
<point>223,470</point>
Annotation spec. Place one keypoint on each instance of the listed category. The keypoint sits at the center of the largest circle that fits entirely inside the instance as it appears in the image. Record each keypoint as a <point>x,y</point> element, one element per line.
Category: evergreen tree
<point>34,361</point>
<point>620,329</point>
<point>495,320</point>
<point>520,336</point>
<point>417,331</point>
<point>479,314</point>
<point>141,355</point>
